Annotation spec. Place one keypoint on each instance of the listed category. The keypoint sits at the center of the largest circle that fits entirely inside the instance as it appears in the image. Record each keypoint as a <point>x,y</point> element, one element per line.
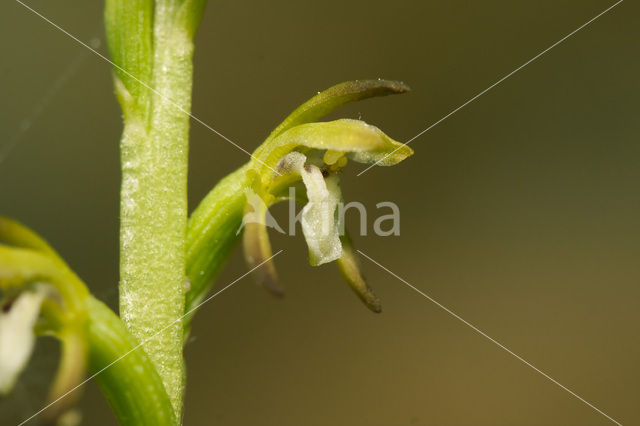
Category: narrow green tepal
<point>336,96</point>
<point>350,270</point>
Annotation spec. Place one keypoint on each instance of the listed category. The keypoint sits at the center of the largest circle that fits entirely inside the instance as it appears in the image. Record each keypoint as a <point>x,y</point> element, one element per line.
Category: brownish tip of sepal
<point>396,86</point>
<point>363,89</point>
<point>366,294</point>
<point>267,277</point>
<point>348,266</point>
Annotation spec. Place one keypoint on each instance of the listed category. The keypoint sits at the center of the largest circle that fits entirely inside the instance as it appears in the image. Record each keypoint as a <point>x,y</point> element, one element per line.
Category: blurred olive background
<point>521,212</point>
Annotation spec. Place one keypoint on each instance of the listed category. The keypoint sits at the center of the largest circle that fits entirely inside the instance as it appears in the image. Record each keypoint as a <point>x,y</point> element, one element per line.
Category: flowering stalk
<point>168,263</point>
<point>151,44</point>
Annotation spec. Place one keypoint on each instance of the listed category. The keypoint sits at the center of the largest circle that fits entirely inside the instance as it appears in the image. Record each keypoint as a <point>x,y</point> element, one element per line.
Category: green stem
<point>126,376</point>
<point>154,155</point>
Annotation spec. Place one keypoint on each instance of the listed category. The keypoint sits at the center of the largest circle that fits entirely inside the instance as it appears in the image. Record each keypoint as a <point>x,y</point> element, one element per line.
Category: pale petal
<point>17,337</point>
<point>319,225</point>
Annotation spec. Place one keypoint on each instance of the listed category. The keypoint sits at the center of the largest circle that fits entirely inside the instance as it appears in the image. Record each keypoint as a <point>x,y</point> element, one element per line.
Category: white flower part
<point>17,337</point>
<point>293,162</point>
<point>319,225</point>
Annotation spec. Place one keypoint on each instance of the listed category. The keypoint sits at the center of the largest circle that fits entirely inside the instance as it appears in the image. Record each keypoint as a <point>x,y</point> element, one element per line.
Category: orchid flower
<point>42,296</point>
<point>299,149</point>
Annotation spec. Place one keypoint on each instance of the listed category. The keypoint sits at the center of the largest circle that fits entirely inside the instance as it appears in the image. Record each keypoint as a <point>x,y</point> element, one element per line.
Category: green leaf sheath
<point>126,376</point>
<point>129,31</point>
<point>151,44</point>
<point>189,15</point>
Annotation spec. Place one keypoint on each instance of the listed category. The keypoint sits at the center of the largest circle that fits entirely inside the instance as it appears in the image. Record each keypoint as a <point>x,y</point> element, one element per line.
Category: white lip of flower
<point>17,337</point>
<point>319,225</point>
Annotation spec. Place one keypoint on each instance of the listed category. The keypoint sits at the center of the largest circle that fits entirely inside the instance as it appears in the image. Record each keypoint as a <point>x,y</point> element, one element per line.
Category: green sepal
<point>350,270</point>
<point>361,142</point>
<point>336,96</point>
